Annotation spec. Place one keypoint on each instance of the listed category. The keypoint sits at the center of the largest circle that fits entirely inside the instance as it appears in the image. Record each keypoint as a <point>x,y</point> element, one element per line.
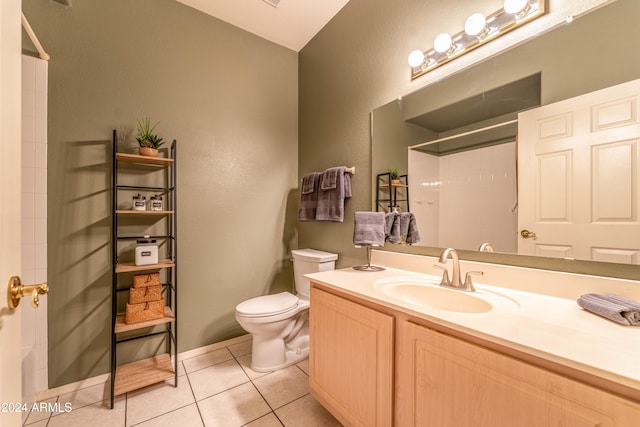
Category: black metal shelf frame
<point>384,185</point>
<point>172,275</point>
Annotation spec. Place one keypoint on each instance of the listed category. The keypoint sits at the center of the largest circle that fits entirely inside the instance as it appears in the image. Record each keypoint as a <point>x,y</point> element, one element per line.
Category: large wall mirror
<point>456,139</point>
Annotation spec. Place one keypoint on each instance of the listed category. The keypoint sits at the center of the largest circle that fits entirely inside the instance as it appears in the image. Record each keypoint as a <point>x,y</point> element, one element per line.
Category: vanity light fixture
<point>444,44</point>
<point>478,30</point>
<point>516,7</point>
<point>476,25</point>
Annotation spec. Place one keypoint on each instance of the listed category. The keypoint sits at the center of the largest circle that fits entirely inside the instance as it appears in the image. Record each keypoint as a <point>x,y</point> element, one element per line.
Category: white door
<point>579,182</point>
<point>10,119</point>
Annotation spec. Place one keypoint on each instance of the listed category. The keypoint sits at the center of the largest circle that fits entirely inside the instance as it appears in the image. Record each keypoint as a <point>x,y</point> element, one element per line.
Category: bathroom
<point>236,103</point>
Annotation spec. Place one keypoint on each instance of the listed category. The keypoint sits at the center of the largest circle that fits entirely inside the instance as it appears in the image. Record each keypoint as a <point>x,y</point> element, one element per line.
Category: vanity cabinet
<point>351,360</point>
<point>443,380</point>
<point>371,365</point>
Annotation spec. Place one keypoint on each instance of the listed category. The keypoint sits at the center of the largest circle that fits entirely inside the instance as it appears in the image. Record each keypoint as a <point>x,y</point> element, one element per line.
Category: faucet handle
<point>445,275</point>
<point>468,284</point>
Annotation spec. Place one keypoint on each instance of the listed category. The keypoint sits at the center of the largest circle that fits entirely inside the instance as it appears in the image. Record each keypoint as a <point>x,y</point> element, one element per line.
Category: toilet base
<point>291,358</point>
<point>277,354</point>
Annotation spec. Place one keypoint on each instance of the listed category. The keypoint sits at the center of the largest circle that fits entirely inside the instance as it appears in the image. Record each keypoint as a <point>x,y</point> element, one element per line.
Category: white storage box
<point>146,251</point>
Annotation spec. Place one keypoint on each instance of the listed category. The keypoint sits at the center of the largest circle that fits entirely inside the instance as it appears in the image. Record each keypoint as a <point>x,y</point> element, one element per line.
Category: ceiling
<point>291,24</point>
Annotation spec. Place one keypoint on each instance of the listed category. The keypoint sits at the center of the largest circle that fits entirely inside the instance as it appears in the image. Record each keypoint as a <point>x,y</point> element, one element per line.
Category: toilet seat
<point>267,305</point>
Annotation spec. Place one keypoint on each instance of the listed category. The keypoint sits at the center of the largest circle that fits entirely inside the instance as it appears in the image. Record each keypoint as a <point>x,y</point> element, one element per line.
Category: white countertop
<point>548,327</point>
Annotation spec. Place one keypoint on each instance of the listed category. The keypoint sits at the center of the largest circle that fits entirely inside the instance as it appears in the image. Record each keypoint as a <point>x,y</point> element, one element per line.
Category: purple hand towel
<point>334,188</point>
<point>309,197</point>
<point>368,228</point>
<point>613,307</point>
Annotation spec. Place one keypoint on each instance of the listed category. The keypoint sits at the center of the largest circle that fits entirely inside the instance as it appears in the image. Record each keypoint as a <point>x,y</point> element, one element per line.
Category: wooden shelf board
<point>132,212</point>
<point>142,373</point>
<point>143,160</point>
<point>121,326</point>
<point>128,267</point>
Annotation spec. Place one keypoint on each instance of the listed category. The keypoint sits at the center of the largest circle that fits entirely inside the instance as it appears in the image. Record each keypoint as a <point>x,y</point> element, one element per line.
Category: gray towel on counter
<point>613,307</point>
<point>369,228</point>
<point>309,197</point>
<point>335,186</point>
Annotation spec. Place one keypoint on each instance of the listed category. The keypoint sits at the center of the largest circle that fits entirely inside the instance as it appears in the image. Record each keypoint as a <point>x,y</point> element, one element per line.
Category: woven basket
<point>142,312</point>
<point>146,279</point>
<point>146,294</point>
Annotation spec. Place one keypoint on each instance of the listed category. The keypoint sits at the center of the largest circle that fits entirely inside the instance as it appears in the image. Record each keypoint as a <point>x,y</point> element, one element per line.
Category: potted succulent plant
<point>148,141</point>
<point>394,175</point>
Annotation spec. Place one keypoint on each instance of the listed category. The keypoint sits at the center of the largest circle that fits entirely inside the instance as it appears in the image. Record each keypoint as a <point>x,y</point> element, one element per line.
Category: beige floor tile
<point>205,360</point>
<point>42,423</point>
<point>269,420</point>
<point>241,348</point>
<point>217,378</point>
<point>86,396</point>
<point>245,362</point>
<point>39,415</point>
<point>234,407</point>
<point>181,370</point>
<point>304,365</point>
<point>283,386</point>
<point>306,412</point>
<point>97,414</point>
<point>157,399</point>
<point>189,416</point>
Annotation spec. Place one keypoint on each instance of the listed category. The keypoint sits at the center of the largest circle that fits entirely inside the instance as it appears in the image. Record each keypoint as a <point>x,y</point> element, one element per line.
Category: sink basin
<point>425,292</point>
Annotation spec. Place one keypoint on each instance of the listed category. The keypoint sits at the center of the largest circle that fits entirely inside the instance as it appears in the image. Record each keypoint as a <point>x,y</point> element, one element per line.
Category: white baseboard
<point>104,378</point>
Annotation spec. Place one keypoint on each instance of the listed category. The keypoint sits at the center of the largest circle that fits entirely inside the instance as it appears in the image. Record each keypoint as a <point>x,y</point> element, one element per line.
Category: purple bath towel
<point>309,197</point>
<point>335,186</point>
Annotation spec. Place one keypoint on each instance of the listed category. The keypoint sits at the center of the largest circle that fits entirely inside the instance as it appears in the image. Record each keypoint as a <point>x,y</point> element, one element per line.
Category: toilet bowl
<point>279,323</point>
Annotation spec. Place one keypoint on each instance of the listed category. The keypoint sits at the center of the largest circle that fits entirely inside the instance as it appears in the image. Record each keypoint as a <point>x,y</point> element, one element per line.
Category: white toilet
<point>279,323</point>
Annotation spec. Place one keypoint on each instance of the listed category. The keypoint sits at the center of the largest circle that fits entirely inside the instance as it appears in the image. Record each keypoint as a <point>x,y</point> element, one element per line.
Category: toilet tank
<point>306,261</point>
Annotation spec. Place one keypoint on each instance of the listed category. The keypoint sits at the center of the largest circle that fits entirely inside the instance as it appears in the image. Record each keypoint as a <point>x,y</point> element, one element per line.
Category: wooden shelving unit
<point>143,213</point>
<point>121,326</point>
<point>129,267</point>
<point>157,367</point>
<point>144,160</point>
<point>142,373</point>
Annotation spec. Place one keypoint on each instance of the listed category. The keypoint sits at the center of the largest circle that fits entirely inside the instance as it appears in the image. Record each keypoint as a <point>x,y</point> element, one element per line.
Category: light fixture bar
<point>478,31</point>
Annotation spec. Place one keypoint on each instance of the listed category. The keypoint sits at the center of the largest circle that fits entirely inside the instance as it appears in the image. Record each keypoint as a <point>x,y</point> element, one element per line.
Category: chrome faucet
<point>455,281</point>
<point>485,247</point>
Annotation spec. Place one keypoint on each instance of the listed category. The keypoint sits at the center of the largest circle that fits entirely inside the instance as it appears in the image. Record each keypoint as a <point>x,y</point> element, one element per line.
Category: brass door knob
<point>526,234</point>
<point>17,290</point>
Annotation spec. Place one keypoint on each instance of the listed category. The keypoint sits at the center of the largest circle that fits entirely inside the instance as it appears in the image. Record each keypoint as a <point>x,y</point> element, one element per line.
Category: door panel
<point>579,179</point>
<point>10,122</point>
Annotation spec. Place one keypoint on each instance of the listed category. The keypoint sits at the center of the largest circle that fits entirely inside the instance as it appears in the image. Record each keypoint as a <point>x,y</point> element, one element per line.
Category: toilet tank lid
<point>268,304</point>
<point>313,255</point>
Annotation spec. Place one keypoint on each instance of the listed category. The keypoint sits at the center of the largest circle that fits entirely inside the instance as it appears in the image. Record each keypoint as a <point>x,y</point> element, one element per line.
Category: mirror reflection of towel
<point>409,228</point>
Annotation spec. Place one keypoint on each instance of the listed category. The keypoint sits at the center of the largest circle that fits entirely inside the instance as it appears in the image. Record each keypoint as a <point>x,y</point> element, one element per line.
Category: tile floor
<point>214,389</point>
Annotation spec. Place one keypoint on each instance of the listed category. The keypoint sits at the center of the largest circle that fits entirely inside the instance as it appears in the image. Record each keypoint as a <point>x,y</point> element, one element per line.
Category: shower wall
<point>34,223</point>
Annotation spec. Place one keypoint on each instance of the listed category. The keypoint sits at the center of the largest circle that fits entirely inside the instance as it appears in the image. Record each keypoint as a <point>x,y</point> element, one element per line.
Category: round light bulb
<point>515,6</point>
<point>442,43</point>
<point>416,58</point>
<point>475,24</point>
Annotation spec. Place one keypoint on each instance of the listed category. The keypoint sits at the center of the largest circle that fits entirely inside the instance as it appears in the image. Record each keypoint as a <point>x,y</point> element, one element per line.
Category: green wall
<point>230,99</point>
<point>357,63</point>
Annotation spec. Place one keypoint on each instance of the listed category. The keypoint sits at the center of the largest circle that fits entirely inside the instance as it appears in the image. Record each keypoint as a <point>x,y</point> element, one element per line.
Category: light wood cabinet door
<point>444,381</point>
<point>351,360</point>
